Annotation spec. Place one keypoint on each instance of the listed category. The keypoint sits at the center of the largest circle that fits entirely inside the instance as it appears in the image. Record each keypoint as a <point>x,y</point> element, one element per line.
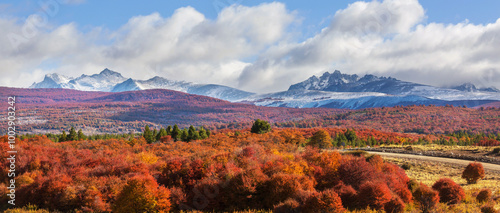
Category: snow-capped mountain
<point>333,90</point>
<point>338,82</point>
<point>469,87</point>
<point>104,81</point>
<point>53,80</point>
<point>211,90</point>
<point>337,90</point>
<point>111,81</point>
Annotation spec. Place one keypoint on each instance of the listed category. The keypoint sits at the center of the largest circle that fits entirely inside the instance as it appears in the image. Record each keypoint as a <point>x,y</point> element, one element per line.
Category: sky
<point>258,46</point>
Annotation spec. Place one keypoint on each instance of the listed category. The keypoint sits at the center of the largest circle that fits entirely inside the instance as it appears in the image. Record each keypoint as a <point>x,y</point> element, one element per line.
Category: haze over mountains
<point>331,90</point>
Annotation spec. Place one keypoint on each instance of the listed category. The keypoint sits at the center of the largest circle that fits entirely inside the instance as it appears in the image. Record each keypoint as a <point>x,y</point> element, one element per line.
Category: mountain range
<point>331,90</point>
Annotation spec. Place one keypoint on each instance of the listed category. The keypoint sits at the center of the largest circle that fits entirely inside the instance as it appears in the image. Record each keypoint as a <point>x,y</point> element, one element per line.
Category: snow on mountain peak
<point>108,72</point>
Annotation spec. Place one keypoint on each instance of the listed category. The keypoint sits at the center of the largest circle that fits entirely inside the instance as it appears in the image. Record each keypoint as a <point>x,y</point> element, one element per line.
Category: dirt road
<point>487,166</point>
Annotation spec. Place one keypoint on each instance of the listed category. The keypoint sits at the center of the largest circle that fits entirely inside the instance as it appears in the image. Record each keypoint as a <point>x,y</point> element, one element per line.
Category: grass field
<point>429,172</point>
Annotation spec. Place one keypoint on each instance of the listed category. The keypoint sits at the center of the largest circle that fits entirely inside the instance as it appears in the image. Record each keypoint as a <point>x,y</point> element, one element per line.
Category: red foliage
<point>325,201</point>
<point>484,195</point>
<point>280,187</point>
<point>376,161</point>
<point>142,194</point>
<point>355,170</point>
<point>374,195</point>
<point>473,172</point>
<point>214,174</point>
<point>426,197</point>
<point>397,180</point>
<point>288,206</point>
<point>177,197</point>
<point>347,194</point>
<point>166,139</point>
<point>206,195</point>
<point>395,205</point>
<point>241,191</point>
<point>488,142</point>
<point>488,209</point>
<point>449,191</point>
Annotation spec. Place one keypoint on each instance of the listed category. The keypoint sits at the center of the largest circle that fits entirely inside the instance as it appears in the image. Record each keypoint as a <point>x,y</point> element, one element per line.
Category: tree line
<point>175,133</point>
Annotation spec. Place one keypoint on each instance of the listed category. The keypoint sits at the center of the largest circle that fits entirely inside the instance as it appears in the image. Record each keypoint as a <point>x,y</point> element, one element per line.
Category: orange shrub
<point>484,195</point>
<point>287,206</point>
<point>142,194</point>
<point>281,186</point>
<point>325,201</point>
<point>426,197</point>
<point>241,190</point>
<point>395,205</point>
<point>374,195</point>
<point>473,172</point>
<point>488,209</point>
<point>376,161</point>
<point>449,191</point>
<point>347,194</point>
<point>355,170</point>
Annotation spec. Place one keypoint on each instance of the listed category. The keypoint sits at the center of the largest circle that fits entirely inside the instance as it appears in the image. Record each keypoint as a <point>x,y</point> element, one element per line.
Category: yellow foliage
<point>296,167</point>
<point>148,158</point>
<point>24,179</point>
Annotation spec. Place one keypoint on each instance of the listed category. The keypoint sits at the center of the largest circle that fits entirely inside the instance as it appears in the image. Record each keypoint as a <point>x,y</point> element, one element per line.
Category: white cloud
<point>386,38</point>
<point>248,47</point>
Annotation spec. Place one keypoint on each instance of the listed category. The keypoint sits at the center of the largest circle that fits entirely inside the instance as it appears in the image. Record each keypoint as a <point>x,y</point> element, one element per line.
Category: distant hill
<point>111,81</point>
<point>330,90</point>
<point>42,110</point>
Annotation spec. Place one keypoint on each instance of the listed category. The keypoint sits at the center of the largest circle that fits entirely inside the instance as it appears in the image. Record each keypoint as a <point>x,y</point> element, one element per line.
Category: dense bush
<point>355,170</point>
<point>288,206</point>
<point>325,201</point>
<point>473,172</point>
<point>397,180</point>
<point>220,173</point>
<point>395,205</point>
<point>376,161</point>
<point>484,195</point>
<point>374,195</point>
<point>488,209</point>
<point>347,194</point>
<point>260,127</point>
<point>281,186</point>
<point>426,197</point>
<point>320,139</point>
<point>142,194</point>
<point>449,191</point>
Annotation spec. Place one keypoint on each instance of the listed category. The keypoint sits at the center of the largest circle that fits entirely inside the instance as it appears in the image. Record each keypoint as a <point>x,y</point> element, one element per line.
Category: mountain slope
<point>331,90</point>
<point>338,82</point>
<point>110,81</point>
<point>104,81</point>
<point>210,90</point>
<point>42,110</point>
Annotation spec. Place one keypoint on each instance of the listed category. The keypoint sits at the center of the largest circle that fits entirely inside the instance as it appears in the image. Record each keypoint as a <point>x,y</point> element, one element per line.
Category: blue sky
<point>89,35</point>
<point>114,13</point>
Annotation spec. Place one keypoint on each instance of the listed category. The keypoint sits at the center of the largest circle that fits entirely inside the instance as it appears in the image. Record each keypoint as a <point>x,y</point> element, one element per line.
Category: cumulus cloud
<point>184,46</point>
<point>249,47</point>
<point>386,38</point>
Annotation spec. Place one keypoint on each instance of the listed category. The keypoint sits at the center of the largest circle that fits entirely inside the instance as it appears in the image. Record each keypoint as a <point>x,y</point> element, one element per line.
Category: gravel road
<point>487,166</point>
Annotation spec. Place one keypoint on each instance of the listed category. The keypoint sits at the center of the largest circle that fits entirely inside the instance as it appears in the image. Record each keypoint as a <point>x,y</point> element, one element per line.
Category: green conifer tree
<point>81,136</point>
<point>147,134</point>
<point>176,133</point>
<point>63,136</point>
<point>193,134</point>
<point>184,135</point>
<point>72,135</point>
<point>169,130</point>
<point>203,133</point>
